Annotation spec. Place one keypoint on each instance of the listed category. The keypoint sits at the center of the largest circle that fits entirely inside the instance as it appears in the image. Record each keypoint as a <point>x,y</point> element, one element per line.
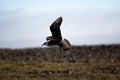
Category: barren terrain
<point>80,63</point>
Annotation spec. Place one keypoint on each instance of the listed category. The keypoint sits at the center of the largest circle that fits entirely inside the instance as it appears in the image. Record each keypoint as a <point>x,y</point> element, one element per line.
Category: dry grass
<point>81,63</point>
<point>60,71</point>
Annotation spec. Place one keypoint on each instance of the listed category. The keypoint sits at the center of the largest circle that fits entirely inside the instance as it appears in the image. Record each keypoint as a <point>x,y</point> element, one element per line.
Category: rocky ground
<point>80,63</point>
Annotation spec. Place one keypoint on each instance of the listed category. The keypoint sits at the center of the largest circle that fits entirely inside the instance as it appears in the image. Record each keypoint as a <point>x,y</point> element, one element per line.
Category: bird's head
<point>45,43</point>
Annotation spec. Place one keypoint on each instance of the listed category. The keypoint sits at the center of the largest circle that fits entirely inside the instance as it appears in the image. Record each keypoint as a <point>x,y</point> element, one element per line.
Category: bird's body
<point>56,38</point>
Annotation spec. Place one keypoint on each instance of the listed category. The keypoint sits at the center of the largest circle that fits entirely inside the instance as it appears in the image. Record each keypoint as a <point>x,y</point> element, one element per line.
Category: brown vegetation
<point>80,63</point>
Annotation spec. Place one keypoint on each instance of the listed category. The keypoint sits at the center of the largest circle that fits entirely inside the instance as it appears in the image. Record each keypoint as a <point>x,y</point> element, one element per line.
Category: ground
<point>81,63</point>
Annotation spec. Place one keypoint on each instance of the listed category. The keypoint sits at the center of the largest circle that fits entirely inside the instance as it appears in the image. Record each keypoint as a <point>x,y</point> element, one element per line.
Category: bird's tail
<point>66,44</point>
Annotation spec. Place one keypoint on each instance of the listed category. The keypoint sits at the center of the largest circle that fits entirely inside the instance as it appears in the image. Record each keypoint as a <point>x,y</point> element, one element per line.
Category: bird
<point>56,38</point>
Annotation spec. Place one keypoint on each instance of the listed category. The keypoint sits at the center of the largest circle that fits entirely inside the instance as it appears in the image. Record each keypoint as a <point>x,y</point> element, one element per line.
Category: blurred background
<point>25,23</point>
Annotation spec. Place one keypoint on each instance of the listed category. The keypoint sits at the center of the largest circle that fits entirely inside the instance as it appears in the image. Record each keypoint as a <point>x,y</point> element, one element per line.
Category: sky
<point>25,23</point>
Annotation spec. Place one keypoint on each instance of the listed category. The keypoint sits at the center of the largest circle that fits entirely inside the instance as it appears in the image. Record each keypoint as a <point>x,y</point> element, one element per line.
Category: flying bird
<point>56,38</point>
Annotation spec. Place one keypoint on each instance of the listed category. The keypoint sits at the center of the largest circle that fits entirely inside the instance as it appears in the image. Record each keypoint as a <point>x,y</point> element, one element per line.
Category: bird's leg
<point>60,50</point>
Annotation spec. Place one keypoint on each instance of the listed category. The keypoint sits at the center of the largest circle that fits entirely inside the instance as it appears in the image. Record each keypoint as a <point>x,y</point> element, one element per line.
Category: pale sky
<point>25,23</point>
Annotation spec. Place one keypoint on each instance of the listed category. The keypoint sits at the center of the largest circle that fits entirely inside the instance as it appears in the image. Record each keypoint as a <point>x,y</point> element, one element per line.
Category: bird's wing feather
<point>66,44</point>
<point>55,28</point>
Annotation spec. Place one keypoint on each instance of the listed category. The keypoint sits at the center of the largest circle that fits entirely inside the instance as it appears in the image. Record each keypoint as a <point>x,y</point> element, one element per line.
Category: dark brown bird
<point>56,38</point>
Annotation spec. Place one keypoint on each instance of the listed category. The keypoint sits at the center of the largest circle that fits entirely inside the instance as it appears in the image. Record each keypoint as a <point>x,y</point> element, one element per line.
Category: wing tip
<point>59,19</point>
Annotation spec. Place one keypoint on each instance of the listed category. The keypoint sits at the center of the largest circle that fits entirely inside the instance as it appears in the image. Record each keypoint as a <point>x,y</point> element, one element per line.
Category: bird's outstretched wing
<point>66,44</point>
<point>55,28</point>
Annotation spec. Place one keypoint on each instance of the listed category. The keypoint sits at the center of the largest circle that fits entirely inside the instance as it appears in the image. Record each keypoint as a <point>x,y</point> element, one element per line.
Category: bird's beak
<point>43,43</point>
